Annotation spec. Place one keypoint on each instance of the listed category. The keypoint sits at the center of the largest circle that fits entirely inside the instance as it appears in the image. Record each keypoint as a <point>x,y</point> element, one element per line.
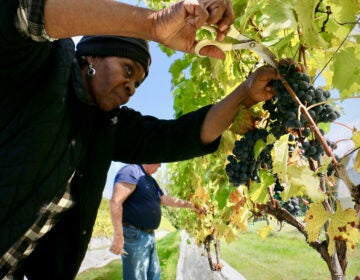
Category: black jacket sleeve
<point>146,139</point>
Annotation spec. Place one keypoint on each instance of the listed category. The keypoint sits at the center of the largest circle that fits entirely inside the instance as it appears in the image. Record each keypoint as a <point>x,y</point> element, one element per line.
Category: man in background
<point>135,213</point>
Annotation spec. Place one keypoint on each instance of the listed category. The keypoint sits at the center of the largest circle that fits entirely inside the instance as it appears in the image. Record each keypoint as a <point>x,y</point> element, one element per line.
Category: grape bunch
<point>278,188</point>
<point>284,112</point>
<point>242,165</point>
<point>292,205</point>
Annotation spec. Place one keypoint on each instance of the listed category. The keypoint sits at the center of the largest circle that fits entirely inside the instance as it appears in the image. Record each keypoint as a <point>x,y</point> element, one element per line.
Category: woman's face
<point>115,81</point>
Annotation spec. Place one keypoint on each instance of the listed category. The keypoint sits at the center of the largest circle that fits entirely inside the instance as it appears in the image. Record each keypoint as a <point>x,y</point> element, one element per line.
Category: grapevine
<point>289,30</point>
<point>242,164</point>
<point>285,117</point>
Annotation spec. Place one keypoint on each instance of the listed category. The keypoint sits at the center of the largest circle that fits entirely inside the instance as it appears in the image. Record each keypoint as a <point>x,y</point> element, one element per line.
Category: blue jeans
<point>141,261</point>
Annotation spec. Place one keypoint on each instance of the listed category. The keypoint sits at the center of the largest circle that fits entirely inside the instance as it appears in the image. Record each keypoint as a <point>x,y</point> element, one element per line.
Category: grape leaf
<point>347,71</point>
<point>227,142</point>
<point>259,146</point>
<point>301,178</point>
<point>356,138</point>
<point>201,196</point>
<point>282,16</point>
<point>236,196</point>
<point>357,162</point>
<point>221,197</point>
<point>279,156</point>
<point>264,231</point>
<point>229,233</point>
<point>342,13</point>
<point>326,161</point>
<point>315,218</point>
<point>259,191</point>
<point>239,218</point>
<point>342,226</point>
<point>310,36</point>
<point>243,121</point>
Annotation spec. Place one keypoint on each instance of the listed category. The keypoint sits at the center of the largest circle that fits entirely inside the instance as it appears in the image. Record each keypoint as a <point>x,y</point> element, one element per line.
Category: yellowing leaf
<point>230,235</point>
<point>315,218</point>
<point>357,162</point>
<point>342,226</point>
<point>243,121</point>
<point>279,156</point>
<point>302,178</point>
<point>226,231</point>
<point>264,231</point>
<point>356,138</point>
<point>239,218</point>
<point>201,196</point>
<point>236,195</point>
<point>325,164</point>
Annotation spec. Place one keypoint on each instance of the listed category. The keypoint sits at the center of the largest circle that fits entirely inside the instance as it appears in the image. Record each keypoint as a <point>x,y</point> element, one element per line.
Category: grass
<point>284,255</point>
<point>168,252</point>
<point>111,271</point>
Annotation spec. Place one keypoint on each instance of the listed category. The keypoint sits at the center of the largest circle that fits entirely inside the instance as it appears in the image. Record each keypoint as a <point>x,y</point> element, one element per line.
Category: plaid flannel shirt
<point>48,217</point>
<point>29,20</point>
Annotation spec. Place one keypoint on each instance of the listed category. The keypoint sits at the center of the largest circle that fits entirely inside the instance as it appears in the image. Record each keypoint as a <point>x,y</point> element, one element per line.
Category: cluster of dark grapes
<point>292,205</point>
<point>278,188</point>
<point>242,165</point>
<point>284,112</point>
<point>331,168</point>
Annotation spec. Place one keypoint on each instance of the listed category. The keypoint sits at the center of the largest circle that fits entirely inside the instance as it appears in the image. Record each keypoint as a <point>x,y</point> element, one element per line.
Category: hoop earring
<point>91,70</point>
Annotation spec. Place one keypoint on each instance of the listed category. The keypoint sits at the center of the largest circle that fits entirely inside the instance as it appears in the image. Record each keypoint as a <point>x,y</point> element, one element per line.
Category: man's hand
<point>200,210</point>
<point>117,246</point>
<point>175,26</point>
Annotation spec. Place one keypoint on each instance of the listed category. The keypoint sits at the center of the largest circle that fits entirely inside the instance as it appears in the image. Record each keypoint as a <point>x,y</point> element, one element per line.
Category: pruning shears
<point>240,42</point>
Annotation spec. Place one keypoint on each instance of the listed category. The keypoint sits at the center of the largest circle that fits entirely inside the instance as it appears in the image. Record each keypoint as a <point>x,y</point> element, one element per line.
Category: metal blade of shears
<point>242,42</point>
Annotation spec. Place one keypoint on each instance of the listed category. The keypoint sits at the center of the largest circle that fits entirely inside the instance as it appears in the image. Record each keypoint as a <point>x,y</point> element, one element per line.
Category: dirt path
<point>192,264</point>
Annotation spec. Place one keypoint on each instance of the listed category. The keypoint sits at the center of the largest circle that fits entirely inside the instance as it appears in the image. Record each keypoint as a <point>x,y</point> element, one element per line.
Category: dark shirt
<point>48,133</point>
<point>142,208</point>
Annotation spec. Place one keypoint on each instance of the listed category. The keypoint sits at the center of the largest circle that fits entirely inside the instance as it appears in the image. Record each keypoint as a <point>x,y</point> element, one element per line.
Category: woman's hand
<point>176,25</point>
<point>259,85</point>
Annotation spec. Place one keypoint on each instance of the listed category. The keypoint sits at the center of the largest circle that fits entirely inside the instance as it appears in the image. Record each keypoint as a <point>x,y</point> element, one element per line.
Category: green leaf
<point>280,15</point>
<point>310,37</point>
<point>259,146</point>
<point>347,71</point>
<point>222,197</point>
<point>259,191</point>
<point>303,180</point>
<point>279,156</point>
<point>346,11</point>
